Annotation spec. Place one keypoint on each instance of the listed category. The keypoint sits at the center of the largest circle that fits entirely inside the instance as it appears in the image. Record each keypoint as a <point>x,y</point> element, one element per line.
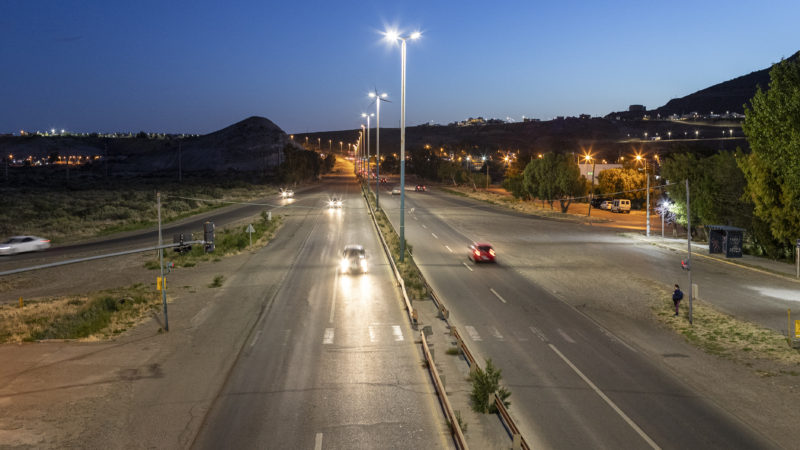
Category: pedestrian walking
<point>677,296</point>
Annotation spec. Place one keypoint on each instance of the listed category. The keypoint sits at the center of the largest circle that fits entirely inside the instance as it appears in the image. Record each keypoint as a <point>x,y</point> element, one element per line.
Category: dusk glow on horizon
<point>198,67</point>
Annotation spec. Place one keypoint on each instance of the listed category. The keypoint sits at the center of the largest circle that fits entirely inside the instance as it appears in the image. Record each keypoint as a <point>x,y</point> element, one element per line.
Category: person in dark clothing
<point>677,296</point>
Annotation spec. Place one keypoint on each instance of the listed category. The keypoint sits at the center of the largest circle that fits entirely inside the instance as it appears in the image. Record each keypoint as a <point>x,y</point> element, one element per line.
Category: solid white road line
<point>372,335</point>
<point>328,339</point>
<point>318,442</point>
<point>255,338</point>
<point>497,295</point>
<point>398,333</point>
<point>435,236</point>
<point>473,333</point>
<point>468,267</point>
<point>448,249</point>
<point>610,403</point>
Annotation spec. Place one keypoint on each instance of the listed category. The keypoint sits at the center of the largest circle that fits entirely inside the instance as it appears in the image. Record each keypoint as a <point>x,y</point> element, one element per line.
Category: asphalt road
<point>574,384</point>
<point>331,361</point>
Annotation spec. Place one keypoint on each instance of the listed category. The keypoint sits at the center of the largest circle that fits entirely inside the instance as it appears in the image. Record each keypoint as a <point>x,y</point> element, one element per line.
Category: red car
<point>481,252</point>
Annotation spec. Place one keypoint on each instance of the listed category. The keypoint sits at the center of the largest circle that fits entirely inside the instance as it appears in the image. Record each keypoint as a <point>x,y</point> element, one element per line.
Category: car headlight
<point>364,265</point>
<point>344,264</point>
<point>339,203</point>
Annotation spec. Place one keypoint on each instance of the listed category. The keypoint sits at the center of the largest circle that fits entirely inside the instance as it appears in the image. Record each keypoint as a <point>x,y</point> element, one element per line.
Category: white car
<point>287,193</point>
<point>21,244</point>
<point>396,190</point>
<point>354,259</point>
<point>335,203</point>
<point>606,205</point>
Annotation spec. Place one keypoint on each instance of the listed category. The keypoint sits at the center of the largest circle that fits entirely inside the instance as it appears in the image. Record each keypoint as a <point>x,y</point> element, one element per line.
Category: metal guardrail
<point>455,427</point>
<point>412,314</point>
<point>518,442</point>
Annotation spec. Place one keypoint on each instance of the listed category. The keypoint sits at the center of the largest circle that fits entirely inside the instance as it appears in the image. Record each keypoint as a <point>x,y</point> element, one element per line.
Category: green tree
<point>772,170</point>
<point>629,180</point>
<point>485,384</point>
<point>554,177</point>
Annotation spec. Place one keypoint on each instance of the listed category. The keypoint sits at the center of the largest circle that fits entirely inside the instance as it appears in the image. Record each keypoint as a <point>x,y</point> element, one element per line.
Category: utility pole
<point>648,197</point>
<point>591,192</point>
<point>161,263</point>
<point>180,161</point>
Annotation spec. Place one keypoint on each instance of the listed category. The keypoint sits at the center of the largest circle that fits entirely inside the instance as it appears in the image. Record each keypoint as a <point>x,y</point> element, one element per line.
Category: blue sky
<point>195,67</point>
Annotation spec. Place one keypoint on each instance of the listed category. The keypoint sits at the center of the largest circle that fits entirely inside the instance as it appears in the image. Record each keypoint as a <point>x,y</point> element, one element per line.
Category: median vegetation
<point>98,315</point>
<point>412,277</point>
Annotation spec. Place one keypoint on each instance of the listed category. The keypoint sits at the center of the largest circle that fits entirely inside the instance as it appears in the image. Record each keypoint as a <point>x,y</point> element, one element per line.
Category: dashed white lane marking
<point>397,332</point>
<point>328,339</point>
<point>372,335</point>
<point>255,338</point>
<point>566,336</point>
<point>423,226</point>
<point>538,333</point>
<point>434,236</point>
<point>605,398</point>
<point>448,249</point>
<point>520,337</point>
<point>496,333</point>
<point>318,442</point>
<point>497,295</point>
<point>473,333</point>
<point>468,267</point>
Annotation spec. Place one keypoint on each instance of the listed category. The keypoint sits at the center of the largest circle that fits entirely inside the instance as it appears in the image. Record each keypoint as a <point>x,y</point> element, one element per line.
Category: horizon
<point>92,68</point>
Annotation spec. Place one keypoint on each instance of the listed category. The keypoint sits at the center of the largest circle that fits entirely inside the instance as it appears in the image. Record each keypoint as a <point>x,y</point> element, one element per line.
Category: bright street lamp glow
<point>415,35</point>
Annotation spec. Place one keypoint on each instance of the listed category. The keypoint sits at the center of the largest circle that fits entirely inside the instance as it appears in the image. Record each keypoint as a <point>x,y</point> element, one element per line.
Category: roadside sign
<point>250,230</point>
<point>797,328</point>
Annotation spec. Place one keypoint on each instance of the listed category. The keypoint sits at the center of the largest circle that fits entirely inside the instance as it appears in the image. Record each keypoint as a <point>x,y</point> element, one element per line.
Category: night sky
<point>195,67</point>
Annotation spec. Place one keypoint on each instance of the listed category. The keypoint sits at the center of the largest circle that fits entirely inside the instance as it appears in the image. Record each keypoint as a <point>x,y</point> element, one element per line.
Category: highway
<point>331,362</point>
<point>574,384</point>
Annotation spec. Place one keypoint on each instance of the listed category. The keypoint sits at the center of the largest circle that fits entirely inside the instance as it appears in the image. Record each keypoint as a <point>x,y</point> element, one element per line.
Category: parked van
<point>621,205</point>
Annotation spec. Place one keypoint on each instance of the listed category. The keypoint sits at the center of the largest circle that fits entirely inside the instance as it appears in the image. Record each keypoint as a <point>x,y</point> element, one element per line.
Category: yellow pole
<point>789,324</point>
<point>20,302</point>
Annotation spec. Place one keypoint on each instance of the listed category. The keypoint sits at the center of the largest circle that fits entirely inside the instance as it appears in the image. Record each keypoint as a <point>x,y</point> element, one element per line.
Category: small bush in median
<point>484,385</point>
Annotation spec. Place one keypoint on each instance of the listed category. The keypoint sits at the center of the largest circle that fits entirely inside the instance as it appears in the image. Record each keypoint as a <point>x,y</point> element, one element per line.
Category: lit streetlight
<point>368,139</point>
<point>393,36</point>
<point>639,158</point>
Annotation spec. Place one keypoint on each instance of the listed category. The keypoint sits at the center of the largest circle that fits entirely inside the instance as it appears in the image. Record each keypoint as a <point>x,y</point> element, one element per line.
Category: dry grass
<point>766,351</point>
<point>95,316</point>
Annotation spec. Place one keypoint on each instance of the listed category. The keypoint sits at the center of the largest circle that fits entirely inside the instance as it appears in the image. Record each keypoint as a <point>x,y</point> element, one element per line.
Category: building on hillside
<point>637,108</point>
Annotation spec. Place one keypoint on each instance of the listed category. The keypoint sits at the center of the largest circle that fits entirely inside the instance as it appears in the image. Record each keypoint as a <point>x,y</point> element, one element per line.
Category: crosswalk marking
<point>328,339</point>
<point>398,333</point>
<point>473,333</point>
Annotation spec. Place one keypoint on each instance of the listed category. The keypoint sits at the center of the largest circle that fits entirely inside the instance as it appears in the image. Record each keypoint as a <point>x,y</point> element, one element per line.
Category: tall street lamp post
<point>393,36</point>
<point>647,201</point>
<point>378,99</point>
<point>368,139</point>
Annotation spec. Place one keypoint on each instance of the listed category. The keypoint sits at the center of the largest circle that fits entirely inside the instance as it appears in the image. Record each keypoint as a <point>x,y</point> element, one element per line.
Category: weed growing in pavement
<point>453,351</point>
<point>485,384</point>
<point>97,315</point>
<point>217,281</point>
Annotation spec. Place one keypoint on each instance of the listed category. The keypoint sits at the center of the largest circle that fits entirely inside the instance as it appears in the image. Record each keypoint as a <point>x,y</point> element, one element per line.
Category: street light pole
<point>648,197</point>
<point>378,99</point>
<point>394,36</point>
<point>368,139</point>
<point>689,245</point>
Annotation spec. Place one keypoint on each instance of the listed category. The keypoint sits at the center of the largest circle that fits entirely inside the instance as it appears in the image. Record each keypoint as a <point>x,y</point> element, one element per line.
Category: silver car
<point>396,190</point>
<point>354,259</point>
<point>22,244</point>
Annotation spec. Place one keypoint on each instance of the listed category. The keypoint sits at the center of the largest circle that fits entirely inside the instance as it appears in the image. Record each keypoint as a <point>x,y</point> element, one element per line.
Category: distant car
<point>287,193</point>
<point>606,205</point>
<point>421,188</point>
<point>22,244</point>
<point>481,252</point>
<point>354,259</point>
<point>383,180</point>
<point>396,190</point>
<point>335,203</point>
<point>598,201</point>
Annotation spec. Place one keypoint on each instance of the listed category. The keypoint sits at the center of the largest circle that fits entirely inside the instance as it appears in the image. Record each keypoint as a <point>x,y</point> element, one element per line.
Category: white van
<point>621,205</point>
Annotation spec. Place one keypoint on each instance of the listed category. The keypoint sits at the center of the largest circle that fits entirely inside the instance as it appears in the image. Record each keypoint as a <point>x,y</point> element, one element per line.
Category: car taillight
<point>477,253</point>
<point>491,252</point>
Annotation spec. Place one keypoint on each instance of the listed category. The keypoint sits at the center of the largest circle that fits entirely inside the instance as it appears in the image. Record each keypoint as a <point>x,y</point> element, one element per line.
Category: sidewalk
<point>764,265</point>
